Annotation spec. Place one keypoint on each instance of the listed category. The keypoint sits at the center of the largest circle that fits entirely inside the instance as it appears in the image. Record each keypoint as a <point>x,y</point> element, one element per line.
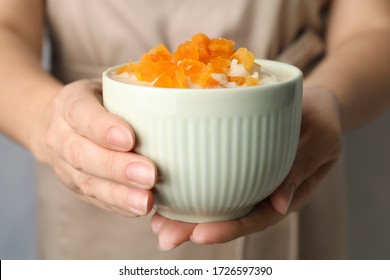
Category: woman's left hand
<point>318,149</point>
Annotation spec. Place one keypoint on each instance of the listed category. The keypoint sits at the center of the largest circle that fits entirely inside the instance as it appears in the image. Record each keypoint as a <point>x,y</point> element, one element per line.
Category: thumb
<point>282,197</point>
<point>80,105</point>
<point>303,166</point>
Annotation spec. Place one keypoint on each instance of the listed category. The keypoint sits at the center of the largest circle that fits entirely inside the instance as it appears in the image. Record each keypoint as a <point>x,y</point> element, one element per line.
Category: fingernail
<point>156,227</point>
<point>193,240</point>
<point>288,195</point>
<point>119,137</point>
<point>138,202</point>
<point>141,173</point>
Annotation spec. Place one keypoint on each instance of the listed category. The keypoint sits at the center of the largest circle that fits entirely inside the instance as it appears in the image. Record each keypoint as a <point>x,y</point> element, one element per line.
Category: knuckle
<point>115,195</point>
<point>69,102</point>
<point>110,162</point>
<point>86,184</point>
<point>115,201</point>
<point>67,180</point>
<point>119,198</point>
<point>64,177</point>
<point>70,111</point>
<point>72,152</point>
<point>308,169</point>
<point>60,102</point>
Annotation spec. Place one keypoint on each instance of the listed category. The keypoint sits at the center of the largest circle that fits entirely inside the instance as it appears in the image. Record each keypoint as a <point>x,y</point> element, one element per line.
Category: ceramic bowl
<point>219,152</point>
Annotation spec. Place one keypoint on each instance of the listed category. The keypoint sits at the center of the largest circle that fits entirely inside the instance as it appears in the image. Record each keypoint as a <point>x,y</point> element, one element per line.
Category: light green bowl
<point>219,152</point>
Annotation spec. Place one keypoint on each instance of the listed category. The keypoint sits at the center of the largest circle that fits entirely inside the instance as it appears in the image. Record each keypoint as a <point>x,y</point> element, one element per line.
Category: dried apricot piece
<point>180,77</point>
<point>158,53</point>
<point>129,68</point>
<point>201,62</point>
<point>220,65</point>
<point>212,83</point>
<point>193,69</point>
<point>163,66</point>
<point>148,71</point>
<point>245,57</point>
<point>221,47</point>
<point>186,50</point>
<point>204,55</point>
<point>251,81</point>
<point>202,41</point>
<point>162,52</point>
<point>238,80</point>
<point>164,81</point>
<point>145,71</point>
<point>206,80</point>
<point>205,76</point>
<point>174,77</point>
<point>152,58</point>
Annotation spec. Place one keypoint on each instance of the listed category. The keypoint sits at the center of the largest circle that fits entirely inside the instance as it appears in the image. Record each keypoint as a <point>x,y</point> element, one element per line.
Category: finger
<point>282,196</point>
<point>122,167</point>
<point>173,233</point>
<point>63,174</point>
<point>319,145</point>
<point>106,207</point>
<point>259,219</point>
<point>110,194</point>
<point>80,106</point>
<point>157,222</point>
<point>304,191</point>
<point>311,163</point>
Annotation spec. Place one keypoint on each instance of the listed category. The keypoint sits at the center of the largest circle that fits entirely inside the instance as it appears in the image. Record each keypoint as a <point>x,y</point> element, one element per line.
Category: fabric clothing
<point>91,35</point>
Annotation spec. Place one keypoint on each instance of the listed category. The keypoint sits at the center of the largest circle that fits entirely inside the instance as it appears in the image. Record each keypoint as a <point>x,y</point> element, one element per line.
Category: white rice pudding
<point>236,69</point>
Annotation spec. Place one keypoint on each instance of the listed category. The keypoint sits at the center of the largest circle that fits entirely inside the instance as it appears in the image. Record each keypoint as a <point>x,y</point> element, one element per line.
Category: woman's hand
<point>319,148</point>
<point>89,150</point>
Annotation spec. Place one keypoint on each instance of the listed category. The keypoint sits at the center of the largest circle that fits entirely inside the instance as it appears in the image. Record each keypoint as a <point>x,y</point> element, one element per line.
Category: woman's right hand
<point>89,150</point>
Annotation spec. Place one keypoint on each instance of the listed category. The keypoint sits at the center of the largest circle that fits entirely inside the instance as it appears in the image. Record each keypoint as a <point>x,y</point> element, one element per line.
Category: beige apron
<point>91,35</point>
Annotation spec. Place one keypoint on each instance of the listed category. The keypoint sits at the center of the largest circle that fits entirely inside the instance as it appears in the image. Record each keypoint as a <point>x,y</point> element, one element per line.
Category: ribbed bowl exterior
<point>218,152</point>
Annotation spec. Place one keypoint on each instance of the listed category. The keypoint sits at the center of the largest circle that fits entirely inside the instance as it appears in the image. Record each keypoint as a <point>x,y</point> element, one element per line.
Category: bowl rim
<point>267,63</point>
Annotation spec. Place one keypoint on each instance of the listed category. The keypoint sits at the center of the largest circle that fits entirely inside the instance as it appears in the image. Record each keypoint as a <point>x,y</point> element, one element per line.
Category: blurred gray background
<point>368,177</point>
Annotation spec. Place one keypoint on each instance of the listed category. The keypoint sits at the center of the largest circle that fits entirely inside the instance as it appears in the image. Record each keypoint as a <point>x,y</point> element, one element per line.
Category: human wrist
<point>37,142</point>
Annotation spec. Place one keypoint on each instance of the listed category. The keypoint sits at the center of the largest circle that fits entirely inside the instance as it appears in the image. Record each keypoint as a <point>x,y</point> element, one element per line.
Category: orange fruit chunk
<point>193,69</point>
<point>158,53</point>
<point>125,68</point>
<point>145,71</point>
<point>186,50</point>
<point>238,80</point>
<point>174,77</point>
<point>212,83</point>
<point>162,66</point>
<point>221,47</point>
<point>221,65</point>
<point>202,41</point>
<point>205,76</point>
<point>250,81</point>
<point>193,64</point>
<point>245,57</point>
